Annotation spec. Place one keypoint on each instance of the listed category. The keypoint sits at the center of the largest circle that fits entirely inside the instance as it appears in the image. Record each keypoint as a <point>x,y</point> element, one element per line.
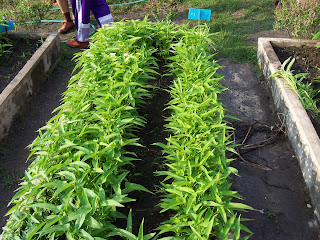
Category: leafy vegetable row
<point>78,179</point>
<point>197,185</point>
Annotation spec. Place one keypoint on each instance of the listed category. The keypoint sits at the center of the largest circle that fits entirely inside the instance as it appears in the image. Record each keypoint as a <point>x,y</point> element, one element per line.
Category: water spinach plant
<point>78,179</point>
<point>197,185</point>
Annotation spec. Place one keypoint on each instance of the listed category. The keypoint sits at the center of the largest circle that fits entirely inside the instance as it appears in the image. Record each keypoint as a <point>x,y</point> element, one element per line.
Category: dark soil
<point>307,60</point>
<point>270,178</point>
<point>13,61</point>
<point>151,158</point>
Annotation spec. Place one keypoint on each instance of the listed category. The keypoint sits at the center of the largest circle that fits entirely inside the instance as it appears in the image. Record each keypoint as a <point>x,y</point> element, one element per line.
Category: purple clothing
<point>81,11</point>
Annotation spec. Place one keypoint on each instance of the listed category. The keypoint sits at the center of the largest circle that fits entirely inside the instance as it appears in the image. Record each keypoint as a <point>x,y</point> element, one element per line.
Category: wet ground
<point>269,178</point>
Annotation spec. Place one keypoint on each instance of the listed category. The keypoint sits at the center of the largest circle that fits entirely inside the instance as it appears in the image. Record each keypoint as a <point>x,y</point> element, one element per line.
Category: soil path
<point>269,178</point>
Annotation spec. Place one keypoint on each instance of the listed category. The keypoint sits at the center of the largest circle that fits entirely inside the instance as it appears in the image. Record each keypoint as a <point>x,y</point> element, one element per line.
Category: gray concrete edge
<point>29,79</point>
<point>300,130</point>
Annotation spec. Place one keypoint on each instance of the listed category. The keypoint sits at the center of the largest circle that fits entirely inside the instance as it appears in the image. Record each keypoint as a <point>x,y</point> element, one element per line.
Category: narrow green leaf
<point>126,234</point>
<point>68,175</point>
<point>129,187</point>
<point>48,206</point>
<point>222,213</point>
<point>86,235</point>
<point>32,231</point>
<point>140,234</point>
<point>129,222</point>
<point>112,203</point>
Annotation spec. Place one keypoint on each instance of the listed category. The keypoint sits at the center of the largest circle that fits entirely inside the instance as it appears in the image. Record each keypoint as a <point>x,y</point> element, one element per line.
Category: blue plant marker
<point>10,26</point>
<point>205,14</point>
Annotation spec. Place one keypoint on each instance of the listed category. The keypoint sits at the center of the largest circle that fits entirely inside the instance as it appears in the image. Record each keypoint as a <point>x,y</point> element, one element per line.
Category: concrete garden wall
<point>28,81</point>
<point>300,130</point>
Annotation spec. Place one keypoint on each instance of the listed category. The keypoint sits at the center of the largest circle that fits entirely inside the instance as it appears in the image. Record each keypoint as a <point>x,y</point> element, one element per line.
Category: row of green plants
<point>197,183</point>
<point>77,180</point>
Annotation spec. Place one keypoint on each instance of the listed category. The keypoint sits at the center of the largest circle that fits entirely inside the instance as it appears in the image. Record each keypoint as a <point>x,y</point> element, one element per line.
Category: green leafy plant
<point>300,18</point>
<point>316,36</point>
<point>305,91</point>
<point>4,42</point>
<point>127,233</point>
<point>197,185</point>
<point>4,46</point>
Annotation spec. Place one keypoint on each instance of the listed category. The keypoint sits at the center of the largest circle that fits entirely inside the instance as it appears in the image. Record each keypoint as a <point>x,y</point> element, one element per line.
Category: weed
<point>273,217</point>
<point>164,10</point>
<point>9,177</point>
<point>5,43</point>
<point>25,10</point>
<point>4,149</point>
<point>234,21</point>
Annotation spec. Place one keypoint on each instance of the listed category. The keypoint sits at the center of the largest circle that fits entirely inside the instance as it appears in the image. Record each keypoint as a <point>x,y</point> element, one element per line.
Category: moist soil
<point>307,60</point>
<point>270,179</point>
<point>15,58</point>
<point>145,207</point>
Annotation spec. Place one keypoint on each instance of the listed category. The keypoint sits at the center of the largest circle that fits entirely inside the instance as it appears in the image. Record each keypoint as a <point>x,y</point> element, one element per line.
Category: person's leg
<point>68,23</point>
<point>101,12</point>
<point>64,6</point>
<point>83,20</point>
<point>81,12</point>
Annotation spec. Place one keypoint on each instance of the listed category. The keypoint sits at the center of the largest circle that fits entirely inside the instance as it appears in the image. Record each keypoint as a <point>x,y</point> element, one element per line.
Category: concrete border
<point>28,81</point>
<point>303,137</point>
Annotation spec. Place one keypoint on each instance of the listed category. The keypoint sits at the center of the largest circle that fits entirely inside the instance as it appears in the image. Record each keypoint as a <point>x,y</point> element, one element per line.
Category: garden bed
<point>82,172</point>
<point>277,195</point>
<point>29,79</point>
<point>15,58</point>
<point>300,129</point>
<point>307,60</point>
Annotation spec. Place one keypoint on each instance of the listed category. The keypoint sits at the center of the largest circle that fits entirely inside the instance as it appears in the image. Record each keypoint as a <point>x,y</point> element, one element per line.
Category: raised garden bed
<point>300,130</point>
<point>15,57</point>
<point>29,79</point>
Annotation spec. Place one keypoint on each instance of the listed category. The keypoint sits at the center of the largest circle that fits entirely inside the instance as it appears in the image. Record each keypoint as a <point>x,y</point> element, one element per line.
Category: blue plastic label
<point>10,26</point>
<point>205,14</point>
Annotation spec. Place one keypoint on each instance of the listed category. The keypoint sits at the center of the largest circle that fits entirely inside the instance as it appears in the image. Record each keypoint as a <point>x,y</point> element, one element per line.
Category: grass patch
<point>235,21</point>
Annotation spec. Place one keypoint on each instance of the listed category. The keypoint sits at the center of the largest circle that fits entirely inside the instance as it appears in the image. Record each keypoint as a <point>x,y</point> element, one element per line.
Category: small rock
<point>262,211</point>
<point>313,224</point>
<point>309,206</point>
